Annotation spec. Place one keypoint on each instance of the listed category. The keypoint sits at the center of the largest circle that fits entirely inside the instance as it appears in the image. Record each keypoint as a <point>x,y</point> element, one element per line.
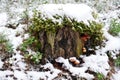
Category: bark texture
<point>67,43</point>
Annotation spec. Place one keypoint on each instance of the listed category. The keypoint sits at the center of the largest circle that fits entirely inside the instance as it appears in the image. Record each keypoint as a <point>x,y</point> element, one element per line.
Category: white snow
<point>76,71</point>
<point>80,12</point>
<point>47,75</point>
<point>20,75</point>
<point>116,76</point>
<point>26,36</point>
<point>112,43</point>
<point>4,73</point>
<point>16,41</point>
<point>97,63</point>
<point>3,19</point>
<point>1,63</point>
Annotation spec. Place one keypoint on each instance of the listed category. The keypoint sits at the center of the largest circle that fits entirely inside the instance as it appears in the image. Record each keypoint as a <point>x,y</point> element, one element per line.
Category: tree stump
<point>67,43</point>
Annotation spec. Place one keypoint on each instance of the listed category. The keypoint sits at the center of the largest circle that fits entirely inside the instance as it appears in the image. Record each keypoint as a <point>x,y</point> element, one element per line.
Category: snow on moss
<point>80,12</point>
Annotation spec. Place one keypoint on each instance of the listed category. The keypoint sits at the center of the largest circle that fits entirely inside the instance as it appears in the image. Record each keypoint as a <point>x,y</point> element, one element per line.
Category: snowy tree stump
<point>67,44</point>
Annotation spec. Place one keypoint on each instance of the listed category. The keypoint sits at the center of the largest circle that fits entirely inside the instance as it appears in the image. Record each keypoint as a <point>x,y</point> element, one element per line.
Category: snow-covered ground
<point>81,12</point>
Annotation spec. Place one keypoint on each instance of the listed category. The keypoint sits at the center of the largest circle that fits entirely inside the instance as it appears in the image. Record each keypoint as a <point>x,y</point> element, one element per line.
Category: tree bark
<point>67,43</point>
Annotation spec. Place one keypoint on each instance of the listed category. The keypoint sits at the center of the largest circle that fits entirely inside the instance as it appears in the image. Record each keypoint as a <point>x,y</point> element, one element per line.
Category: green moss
<point>5,44</point>
<point>114,27</point>
<point>117,61</point>
<point>32,43</point>
<point>27,43</point>
<point>100,76</point>
<point>3,38</point>
<point>40,23</point>
<point>33,58</point>
<point>94,30</point>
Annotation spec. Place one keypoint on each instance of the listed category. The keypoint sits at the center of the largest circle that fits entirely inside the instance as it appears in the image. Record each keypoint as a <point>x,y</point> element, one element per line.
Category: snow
<point>11,35</point>
<point>3,19</point>
<point>81,12</point>
<point>4,73</point>
<point>20,75</point>
<point>1,64</point>
<point>112,42</point>
<point>38,76</point>
<point>97,63</point>
<point>79,72</point>
<point>116,76</point>
<point>49,75</point>
<point>26,36</point>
